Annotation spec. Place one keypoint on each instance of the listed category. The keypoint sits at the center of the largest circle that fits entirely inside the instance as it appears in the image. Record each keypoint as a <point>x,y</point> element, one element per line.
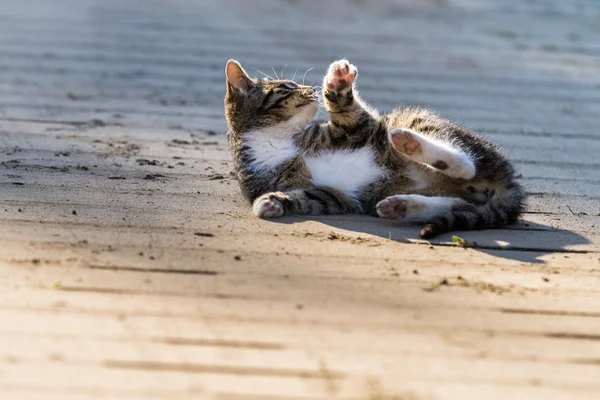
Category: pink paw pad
<point>404,141</point>
<point>340,76</point>
<point>392,208</point>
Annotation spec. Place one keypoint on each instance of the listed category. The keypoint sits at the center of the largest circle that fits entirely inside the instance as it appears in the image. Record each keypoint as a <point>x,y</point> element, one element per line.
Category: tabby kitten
<point>409,164</point>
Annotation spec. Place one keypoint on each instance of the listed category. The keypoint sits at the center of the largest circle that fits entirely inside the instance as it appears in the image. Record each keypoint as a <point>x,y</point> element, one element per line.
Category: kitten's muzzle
<point>306,102</point>
<point>310,93</point>
<point>308,96</point>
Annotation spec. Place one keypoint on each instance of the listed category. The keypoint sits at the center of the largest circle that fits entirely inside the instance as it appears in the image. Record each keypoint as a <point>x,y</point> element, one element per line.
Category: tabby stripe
<point>461,221</point>
<point>497,216</point>
<point>503,217</point>
<point>513,214</point>
<point>443,221</point>
<point>331,96</point>
<point>278,102</point>
<point>288,205</point>
<point>511,185</point>
<point>437,226</point>
<point>479,221</point>
<point>319,200</point>
<point>333,199</point>
<point>266,99</point>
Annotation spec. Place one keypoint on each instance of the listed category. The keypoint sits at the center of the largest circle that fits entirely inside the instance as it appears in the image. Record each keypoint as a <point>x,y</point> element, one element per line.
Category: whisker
<point>283,69</point>
<point>294,77</point>
<point>307,71</point>
<point>260,72</point>
<point>276,76</point>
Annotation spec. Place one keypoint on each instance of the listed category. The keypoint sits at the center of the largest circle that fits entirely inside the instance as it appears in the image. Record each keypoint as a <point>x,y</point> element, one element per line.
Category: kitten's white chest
<point>345,170</point>
<point>269,152</point>
<point>274,145</point>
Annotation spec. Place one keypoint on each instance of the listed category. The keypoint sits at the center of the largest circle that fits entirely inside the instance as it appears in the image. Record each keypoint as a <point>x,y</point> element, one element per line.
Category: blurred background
<point>499,66</point>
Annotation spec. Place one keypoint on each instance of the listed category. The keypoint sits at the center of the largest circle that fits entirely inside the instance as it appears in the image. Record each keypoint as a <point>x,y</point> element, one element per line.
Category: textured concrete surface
<point>131,268</point>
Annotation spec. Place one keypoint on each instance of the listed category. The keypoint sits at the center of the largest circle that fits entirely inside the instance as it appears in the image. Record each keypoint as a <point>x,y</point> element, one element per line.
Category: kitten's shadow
<point>525,241</point>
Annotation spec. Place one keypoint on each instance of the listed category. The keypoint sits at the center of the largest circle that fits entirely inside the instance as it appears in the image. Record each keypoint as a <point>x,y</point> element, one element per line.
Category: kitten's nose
<point>311,93</point>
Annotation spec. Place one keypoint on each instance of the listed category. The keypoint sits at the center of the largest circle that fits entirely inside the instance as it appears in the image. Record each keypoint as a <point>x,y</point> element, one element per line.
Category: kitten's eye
<point>288,86</point>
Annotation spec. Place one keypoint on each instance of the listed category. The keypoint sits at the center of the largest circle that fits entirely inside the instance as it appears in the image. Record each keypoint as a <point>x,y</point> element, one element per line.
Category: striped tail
<point>499,211</point>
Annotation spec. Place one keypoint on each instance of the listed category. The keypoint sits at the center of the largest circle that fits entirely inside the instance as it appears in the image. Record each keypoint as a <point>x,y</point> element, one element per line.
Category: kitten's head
<point>252,103</point>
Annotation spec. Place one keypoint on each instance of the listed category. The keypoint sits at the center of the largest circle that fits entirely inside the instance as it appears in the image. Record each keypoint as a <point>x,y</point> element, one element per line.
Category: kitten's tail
<point>499,211</point>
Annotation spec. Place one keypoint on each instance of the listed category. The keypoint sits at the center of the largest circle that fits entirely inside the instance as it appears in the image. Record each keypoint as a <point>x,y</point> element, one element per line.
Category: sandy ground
<point>131,268</point>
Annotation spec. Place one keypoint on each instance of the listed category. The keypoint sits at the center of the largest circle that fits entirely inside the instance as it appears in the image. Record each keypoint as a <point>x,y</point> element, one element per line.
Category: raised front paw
<point>340,76</point>
<point>267,206</point>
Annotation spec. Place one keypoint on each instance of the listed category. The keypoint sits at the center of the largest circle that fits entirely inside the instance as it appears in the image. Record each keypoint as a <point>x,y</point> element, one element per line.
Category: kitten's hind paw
<point>405,142</point>
<point>340,76</point>
<point>267,206</point>
<point>439,155</point>
<point>392,207</point>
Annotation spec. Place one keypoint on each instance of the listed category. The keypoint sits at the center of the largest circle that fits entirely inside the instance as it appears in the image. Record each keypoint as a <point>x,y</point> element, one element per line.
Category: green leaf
<point>460,242</point>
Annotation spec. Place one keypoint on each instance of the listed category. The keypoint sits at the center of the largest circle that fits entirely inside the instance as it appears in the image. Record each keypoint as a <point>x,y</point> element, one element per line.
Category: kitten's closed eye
<point>288,86</point>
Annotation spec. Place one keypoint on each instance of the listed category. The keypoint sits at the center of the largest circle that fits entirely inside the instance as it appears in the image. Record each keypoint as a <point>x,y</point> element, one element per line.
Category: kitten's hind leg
<point>348,114</point>
<point>312,201</point>
<point>440,156</point>
<point>414,207</point>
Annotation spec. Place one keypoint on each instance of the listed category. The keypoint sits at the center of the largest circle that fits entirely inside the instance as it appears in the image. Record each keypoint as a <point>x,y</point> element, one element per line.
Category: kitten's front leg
<point>347,112</point>
<point>311,201</point>
<point>443,157</point>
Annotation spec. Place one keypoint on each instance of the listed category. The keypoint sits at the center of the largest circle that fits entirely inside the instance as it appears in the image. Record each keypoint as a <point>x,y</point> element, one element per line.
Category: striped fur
<point>282,159</point>
<point>499,211</point>
<point>313,201</point>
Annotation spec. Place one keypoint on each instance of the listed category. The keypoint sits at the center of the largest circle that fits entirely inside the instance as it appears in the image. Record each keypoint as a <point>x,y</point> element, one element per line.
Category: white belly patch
<point>345,170</point>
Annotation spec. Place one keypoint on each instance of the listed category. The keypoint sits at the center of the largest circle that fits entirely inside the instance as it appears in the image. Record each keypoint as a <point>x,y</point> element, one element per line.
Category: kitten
<point>409,164</point>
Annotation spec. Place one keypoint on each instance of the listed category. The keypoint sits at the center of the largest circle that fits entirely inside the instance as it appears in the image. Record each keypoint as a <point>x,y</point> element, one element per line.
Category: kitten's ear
<point>237,78</point>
